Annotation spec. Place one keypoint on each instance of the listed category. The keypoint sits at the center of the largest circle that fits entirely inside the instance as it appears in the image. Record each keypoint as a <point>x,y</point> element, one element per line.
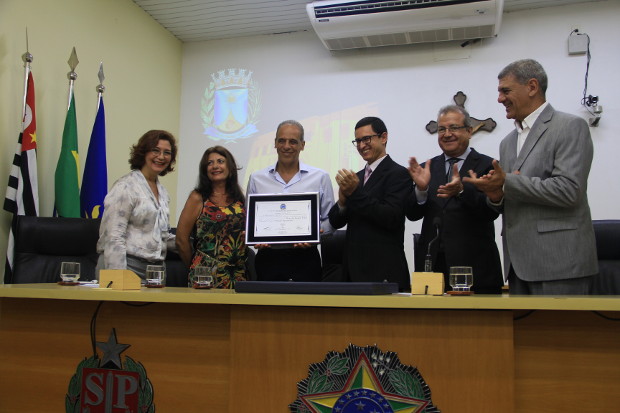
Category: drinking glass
<point>461,278</point>
<point>202,278</point>
<point>155,276</point>
<point>69,273</point>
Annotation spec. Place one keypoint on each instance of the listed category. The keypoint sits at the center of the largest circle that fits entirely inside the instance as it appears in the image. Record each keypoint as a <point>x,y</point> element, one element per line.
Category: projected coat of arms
<point>230,105</point>
<point>363,380</point>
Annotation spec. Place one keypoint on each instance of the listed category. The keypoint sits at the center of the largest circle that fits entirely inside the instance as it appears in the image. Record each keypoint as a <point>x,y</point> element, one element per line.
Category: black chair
<point>416,241</point>
<point>176,271</point>
<point>250,269</point>
<point>42,243</point>
<point>607,234</point>
<point>332,255</point>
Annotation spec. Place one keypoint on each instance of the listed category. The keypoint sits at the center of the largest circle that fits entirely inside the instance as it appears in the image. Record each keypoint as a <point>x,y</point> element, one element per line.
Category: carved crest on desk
<point>363,379</point>
<point>107,385</point>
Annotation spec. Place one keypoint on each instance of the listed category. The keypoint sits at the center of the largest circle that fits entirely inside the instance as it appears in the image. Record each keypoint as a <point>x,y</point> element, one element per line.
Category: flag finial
<point>27,57</point>
<point>100,87</point>
<point>73,62</point>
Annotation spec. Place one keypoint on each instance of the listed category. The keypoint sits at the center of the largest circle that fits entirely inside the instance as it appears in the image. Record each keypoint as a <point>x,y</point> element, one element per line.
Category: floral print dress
<point>219,243</point>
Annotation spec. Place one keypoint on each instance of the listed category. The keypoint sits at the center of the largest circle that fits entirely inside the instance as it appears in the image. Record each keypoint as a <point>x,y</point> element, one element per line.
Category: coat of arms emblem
<point>230,105</point>
<point>363,379</point>
<point>107,385</point>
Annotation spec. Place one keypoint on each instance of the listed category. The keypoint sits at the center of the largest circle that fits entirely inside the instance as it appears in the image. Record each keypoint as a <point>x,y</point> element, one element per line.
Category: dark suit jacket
<point>467,232</point>
<point>375,219</point>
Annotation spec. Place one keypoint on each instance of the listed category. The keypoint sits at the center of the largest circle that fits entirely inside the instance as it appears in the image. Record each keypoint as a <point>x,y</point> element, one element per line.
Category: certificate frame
<point>306,203</point>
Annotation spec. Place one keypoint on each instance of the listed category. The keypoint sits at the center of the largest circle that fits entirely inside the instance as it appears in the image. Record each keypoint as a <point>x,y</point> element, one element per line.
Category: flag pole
<point>66,178</point>
<point>95,177</point>
<point>22,194</point>
<point>73,62</point>
<point>27,58</point>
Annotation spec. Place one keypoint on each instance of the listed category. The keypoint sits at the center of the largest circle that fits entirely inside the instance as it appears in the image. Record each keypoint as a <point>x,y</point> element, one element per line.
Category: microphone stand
<point>428,262</point>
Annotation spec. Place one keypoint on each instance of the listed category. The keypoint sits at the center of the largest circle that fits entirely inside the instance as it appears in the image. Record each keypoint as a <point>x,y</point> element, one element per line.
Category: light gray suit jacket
<point>547,227</point>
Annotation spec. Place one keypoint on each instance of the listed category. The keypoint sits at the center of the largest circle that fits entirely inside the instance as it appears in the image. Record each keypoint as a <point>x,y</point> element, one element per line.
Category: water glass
<point>69,273</point>
<point>202,278</point>
<point>155,276</point>
<point>461,278</point>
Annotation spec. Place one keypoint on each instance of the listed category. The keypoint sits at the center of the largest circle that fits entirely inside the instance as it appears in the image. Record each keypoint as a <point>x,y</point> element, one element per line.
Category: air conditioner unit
<point>354,24</point>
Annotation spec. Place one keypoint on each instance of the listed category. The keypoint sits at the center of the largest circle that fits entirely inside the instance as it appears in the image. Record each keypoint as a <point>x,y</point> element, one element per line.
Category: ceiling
<point>200,20</point>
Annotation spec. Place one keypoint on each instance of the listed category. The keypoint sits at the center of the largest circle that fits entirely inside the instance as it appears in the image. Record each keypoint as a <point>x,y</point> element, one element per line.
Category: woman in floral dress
<point>214,213</point>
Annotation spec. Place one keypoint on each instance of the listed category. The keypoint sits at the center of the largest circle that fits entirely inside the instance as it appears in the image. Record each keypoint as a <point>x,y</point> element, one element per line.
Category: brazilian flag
<point>67,189</point>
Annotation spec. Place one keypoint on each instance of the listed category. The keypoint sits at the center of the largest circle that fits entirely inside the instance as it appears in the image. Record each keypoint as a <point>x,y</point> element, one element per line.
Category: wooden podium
<point>214,350</point>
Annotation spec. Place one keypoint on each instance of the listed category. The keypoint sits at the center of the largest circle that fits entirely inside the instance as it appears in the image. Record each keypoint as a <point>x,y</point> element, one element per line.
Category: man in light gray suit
<point>549,245</point>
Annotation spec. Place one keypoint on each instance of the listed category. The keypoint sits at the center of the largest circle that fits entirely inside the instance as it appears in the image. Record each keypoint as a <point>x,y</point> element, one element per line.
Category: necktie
<point>367,174</point>
<point>451,162</point>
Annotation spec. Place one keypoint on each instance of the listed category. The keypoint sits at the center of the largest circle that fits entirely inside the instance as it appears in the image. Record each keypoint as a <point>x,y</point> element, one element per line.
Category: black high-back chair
<point>607,234</point>
<point>332,255</point>
<point>42,243</point>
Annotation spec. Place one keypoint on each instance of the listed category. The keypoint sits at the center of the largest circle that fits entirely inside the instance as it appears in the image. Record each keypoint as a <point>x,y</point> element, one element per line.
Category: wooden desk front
<point>221,351</point>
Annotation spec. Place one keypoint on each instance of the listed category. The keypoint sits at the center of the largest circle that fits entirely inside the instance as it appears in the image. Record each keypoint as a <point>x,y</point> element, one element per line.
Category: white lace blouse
<point>134,222</point>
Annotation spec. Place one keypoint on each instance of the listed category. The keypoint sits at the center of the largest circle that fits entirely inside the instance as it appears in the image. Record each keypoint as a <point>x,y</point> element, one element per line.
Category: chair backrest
<point>42,243</point>
<point>332,255</point>
<point>176,271</point>
<point>607,234</point>
<point>416,252</point>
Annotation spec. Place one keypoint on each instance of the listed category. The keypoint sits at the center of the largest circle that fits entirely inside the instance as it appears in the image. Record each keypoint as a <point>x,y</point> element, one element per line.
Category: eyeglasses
<point>452,128</point>
<point>363,139</point>
<point>158,152</point>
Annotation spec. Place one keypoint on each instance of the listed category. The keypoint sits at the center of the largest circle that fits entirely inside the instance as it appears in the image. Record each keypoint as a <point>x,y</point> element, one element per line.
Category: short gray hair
<point>292,123</point>
<point>524,70</point>
<point>456,109</point>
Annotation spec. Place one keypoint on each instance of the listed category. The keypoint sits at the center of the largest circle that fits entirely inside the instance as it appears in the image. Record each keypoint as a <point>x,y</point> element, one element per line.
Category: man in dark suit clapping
<point>371,203</point>
<point>457,211</point>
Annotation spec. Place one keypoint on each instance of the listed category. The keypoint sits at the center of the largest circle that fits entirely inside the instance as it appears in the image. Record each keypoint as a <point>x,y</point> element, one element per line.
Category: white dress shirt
<point>307,179</point>
<point>524,127</point>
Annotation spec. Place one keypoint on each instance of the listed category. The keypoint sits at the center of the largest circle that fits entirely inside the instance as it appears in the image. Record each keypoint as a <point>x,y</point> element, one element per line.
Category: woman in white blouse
<point>135,224</point>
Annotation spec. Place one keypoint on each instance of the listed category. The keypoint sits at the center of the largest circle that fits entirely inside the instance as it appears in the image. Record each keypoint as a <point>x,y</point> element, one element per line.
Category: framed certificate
<point>282,218</point>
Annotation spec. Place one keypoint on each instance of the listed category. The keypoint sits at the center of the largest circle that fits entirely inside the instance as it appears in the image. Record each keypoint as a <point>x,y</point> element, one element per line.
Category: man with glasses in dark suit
<point>458,212</point>
<point>371,203</point>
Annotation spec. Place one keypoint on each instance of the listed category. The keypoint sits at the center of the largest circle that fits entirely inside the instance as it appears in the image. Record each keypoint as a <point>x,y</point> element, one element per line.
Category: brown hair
<point>205,187</point>
<point>147,142</point>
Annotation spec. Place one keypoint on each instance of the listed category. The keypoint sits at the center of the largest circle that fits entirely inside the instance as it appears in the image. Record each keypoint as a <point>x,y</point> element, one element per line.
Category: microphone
<point>428,262</point>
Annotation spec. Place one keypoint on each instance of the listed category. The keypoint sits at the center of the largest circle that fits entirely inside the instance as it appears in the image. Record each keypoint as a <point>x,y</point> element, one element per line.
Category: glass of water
<point>461,278</point>
<point>69,273</point>
<point>202,278</point>
<point>155,276</point>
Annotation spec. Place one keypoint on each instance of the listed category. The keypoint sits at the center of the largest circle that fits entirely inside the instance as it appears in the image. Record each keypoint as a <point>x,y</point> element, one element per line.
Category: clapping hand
<point>452,188</point>
<point>421,176</point>
<point>492,183</point>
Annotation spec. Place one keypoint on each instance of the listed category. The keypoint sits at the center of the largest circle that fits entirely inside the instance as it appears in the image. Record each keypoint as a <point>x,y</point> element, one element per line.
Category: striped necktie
<point>451,162</point>
<point>367,173</point>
